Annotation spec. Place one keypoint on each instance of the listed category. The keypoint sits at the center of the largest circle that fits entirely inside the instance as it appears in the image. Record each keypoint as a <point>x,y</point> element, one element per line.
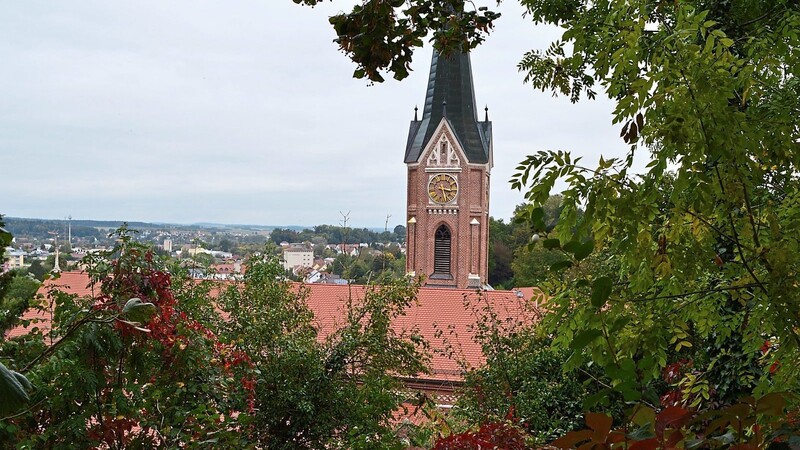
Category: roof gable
<point>451,97</point>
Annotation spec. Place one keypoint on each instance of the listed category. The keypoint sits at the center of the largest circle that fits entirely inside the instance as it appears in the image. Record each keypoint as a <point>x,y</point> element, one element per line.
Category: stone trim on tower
<point>449,158</point>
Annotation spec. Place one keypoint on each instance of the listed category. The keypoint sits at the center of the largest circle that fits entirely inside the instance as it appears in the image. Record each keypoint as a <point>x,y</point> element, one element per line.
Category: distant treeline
<point>331,234</point>
<point>41,228</point>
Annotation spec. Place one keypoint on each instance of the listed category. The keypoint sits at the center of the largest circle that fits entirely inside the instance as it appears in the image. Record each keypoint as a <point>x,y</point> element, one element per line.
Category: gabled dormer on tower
<point>449,157</point>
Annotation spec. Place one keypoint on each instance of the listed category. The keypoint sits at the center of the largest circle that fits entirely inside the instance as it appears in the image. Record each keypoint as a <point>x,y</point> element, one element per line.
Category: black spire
<point>450,84</point>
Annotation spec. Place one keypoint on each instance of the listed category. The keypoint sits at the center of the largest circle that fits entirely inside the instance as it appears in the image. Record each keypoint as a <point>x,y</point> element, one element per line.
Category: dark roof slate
<point>451,95</point>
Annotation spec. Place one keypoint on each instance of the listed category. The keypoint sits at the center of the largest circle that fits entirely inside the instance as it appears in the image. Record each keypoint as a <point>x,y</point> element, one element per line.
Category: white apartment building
<point>15,259</point>
<point>294,257</point>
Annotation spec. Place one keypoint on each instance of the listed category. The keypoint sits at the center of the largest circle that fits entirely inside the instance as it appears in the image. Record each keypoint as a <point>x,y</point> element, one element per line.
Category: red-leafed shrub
<point>496,435</point>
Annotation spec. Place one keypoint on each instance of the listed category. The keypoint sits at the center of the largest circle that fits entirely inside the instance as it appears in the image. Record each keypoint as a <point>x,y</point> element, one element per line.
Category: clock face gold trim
<point>442,188</point>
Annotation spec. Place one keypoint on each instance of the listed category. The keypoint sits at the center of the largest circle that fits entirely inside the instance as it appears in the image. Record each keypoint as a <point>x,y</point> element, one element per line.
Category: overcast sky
<point>240,111</point>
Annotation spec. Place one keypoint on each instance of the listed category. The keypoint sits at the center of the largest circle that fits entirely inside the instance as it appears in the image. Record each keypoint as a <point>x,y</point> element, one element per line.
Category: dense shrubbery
<point>151,361</point>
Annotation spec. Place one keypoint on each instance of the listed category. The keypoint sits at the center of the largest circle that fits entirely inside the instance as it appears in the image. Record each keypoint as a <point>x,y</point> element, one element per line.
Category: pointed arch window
<point>441,251</point>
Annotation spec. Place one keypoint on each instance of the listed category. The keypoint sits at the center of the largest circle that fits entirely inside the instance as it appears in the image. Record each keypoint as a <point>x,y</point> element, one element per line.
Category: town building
<point>449,159</point>
<point>297,255</point>
<point>14,259</point>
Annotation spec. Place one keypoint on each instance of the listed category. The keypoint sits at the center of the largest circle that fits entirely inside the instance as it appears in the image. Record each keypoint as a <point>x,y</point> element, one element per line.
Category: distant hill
<point>86,228</point>
<point>42,228</point>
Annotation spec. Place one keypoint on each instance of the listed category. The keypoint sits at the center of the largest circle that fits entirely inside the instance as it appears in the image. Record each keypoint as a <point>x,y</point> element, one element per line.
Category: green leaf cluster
<point>112,363</point>
<point>381,35</point>
<point>700,252</point>
<point>314,392</point>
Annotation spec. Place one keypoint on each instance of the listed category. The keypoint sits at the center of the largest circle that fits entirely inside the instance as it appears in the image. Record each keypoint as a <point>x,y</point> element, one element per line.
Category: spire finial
<point>444,108</point>
<point>487,113</point>
<point>415,113</point>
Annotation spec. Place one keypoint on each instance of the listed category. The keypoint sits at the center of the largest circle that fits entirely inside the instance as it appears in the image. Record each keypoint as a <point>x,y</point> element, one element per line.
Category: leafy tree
<point>511,250</point>
<point>279,235</point>
<point>14,386</point>
<point>37,269</point>
<point>358,271</point>
<point>5,278</point>
<point>522,382</point>
<point>226,245</point>
<point>50,263</point>
<point>310,393</point>
<point>701,251</point>
<point>703,257</point>
<point>706,88</point>
<point>501,254</point>
<point>129,367</point>
<point>382,262</point>
<point>18,297</point>
<point>381,35</point>
<point>532,262</point>
<point>340,264</point>
<point>203,259</point>
<point>400,232</point>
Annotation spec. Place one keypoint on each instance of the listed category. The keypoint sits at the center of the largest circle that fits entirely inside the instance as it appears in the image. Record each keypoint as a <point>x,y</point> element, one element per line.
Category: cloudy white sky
<point>240,111</point>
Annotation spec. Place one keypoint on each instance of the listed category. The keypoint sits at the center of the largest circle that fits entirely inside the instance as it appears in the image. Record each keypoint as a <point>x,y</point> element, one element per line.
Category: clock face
<point>442,188</point>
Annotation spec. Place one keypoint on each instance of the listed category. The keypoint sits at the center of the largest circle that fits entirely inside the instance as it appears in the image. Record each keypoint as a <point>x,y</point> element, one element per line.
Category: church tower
<point>449,157</point>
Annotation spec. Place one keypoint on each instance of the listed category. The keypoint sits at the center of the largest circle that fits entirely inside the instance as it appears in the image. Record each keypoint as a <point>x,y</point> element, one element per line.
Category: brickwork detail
<point>467,215</point>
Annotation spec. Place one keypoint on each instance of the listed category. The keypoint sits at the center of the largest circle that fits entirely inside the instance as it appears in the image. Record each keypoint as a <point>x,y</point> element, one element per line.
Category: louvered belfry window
<point>441,251</point>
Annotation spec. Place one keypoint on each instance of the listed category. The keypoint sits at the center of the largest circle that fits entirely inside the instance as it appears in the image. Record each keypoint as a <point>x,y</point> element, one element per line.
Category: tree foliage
<point>127,367</point>
<point>697,257</point>
<point>704,243</point>
<point>370,267</point>
<point>381,35</point>
<point>18,296</point>
<point>522,382</point>
<point>329,234</point>
<point>152,360</point>
<point>314,391</point>
<point>14,386</point>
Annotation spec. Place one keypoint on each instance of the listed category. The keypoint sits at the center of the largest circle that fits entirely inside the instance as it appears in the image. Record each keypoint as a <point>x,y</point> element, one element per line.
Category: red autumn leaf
<point>592,446</point>
<point>772,404</point>
<point>647,444</point>
<point>571,439</point>
<point>615,437</point>
<point>673,416</point>
<point>674,438</point>
<point>718,261</point>
<point>600,423</point>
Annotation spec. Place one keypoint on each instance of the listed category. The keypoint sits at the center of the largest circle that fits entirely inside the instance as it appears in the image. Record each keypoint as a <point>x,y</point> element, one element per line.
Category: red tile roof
<point>41,315</point>
<point>446,318</point>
